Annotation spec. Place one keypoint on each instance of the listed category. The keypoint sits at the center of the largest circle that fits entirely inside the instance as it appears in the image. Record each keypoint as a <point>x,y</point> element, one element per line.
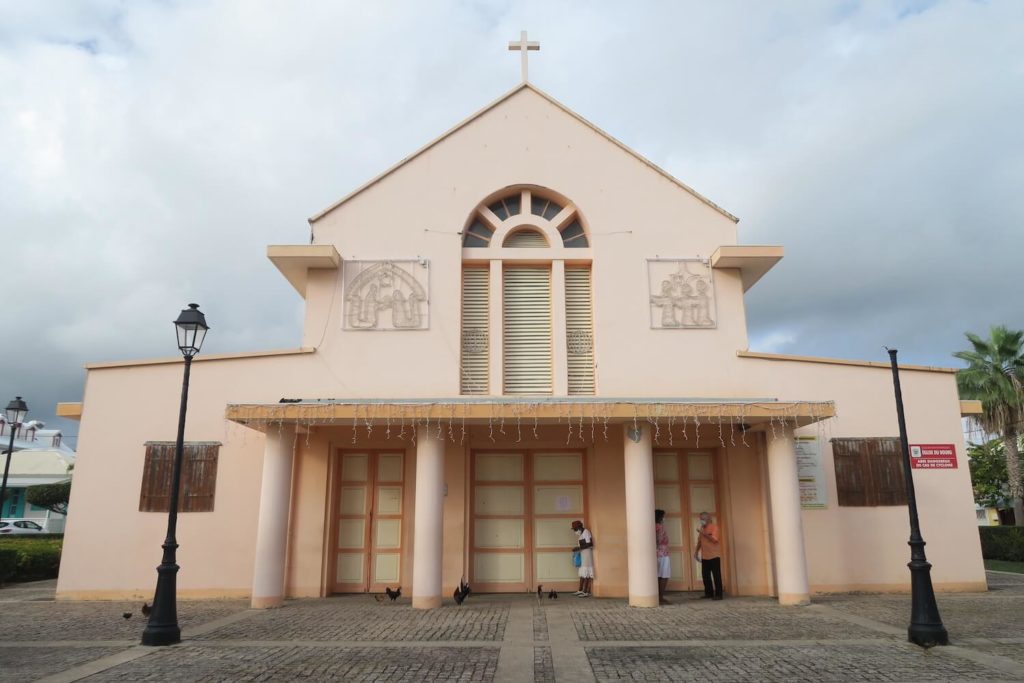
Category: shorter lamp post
<point>163,628</point>
<point>926,627</point>
<point>17,411</point>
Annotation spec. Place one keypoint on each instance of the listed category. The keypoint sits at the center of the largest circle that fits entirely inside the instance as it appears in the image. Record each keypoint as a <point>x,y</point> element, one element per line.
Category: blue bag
<point>577,559</point>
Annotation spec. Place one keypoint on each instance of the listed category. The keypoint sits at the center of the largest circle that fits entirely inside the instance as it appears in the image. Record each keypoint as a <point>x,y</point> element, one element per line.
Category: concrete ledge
<point>147,594</point>
<point>943,587</point>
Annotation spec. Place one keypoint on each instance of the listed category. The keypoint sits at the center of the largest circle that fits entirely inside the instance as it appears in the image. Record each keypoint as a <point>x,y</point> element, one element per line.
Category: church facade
<point>523,324</point>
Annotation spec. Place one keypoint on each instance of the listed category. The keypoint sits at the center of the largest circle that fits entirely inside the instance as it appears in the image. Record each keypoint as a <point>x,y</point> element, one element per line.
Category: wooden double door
<point>368,521</point>
<point>686,484</point>
<point>523,504</point>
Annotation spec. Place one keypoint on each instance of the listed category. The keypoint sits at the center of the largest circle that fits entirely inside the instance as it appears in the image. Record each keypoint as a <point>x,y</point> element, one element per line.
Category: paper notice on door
<point>563,503</point>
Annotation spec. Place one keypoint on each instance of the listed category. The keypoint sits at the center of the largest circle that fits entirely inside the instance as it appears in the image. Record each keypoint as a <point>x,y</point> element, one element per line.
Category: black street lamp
<point>163,628</point>
<point>926,627</point>
<point>16,413</point>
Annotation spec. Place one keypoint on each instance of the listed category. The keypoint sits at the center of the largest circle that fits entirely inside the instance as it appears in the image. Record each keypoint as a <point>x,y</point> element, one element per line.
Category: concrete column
<point>429,507</point>
<point>787,526</point>
<point>272,528</point>
<point>642,551</point>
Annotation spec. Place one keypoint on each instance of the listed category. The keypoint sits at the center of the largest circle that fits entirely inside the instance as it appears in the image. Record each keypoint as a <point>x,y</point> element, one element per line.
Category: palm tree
<point>995,376</point>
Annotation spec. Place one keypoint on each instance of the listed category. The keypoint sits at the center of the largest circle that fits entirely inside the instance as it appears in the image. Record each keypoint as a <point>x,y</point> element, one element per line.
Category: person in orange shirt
<point>709,554</point>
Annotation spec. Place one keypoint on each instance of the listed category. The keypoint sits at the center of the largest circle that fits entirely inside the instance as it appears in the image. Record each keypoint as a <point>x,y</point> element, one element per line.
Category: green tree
<point>53,497</point>
<point>988,473</point>
<point>995,376</point>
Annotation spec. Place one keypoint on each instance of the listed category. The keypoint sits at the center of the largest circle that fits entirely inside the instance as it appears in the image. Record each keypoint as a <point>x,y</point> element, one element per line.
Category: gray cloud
<point>152,149</point>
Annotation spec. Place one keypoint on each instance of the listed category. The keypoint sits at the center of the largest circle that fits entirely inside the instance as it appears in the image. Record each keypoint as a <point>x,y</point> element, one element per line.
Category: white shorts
<point>664,568</point>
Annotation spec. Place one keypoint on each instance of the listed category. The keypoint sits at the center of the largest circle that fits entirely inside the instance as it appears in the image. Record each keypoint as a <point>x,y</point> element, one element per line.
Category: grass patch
<point>1004,566</point>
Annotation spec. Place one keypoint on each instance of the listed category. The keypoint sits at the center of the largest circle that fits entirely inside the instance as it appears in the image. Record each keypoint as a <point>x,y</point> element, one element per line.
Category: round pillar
<point>429,525</point>
<point>642,550</point>
<point>787,524</point>
<point>272,528</point>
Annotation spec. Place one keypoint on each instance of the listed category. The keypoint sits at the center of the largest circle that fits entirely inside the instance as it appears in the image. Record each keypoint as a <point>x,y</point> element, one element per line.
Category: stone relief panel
<point>386,295</point>
<point>682,294</point>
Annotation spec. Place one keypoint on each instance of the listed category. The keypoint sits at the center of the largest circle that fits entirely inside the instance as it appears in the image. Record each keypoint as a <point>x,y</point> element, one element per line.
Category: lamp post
<point>17,411</point>
<point>163,628</point>
<point>926,627</point>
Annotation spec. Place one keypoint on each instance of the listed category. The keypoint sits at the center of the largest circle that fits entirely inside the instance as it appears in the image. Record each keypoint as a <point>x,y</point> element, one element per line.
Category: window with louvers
<point>579,329</point>
<point>198,477</point>
<point>475,330</point>
<point>869,472</point>
<point>527,330</point>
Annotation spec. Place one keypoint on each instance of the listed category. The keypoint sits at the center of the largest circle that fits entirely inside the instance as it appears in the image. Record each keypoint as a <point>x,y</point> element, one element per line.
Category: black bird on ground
<point>462,592</point>
<point>393,594</point>
<point>552,594</point>
<point>539,588</point>
<point>126,615</point>
<point>146,609</point>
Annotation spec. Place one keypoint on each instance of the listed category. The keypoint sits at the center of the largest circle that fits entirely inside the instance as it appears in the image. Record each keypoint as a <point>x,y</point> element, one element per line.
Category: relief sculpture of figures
<point>683,291</point>
<point>385,295</point>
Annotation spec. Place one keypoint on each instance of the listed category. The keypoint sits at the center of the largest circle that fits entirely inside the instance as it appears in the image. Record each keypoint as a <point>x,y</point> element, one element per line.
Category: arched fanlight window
<point>505,215</point>
<point>528,291</point>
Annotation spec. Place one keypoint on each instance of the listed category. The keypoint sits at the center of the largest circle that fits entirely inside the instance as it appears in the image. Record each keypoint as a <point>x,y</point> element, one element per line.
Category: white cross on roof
<point>523,45</point>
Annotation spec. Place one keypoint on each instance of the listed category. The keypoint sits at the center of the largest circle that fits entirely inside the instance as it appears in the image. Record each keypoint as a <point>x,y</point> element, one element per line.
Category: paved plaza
<point>843,637</point>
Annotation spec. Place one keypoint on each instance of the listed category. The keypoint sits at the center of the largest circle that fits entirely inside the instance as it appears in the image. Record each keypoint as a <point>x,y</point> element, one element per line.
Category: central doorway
<point>685,484</point>
<point>523,504</point>
<point>368,521</point>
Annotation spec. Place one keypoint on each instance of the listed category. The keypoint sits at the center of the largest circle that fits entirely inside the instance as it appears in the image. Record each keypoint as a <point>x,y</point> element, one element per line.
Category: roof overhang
<point>70,411</point>
<point>296,260</point>
<point>546,410</point>
<point>970,408</point>
<point>752,261</point>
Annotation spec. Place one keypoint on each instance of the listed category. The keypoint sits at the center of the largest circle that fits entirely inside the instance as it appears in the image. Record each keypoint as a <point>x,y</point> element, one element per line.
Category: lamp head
<point>191,328</point>
<point>17,411</point>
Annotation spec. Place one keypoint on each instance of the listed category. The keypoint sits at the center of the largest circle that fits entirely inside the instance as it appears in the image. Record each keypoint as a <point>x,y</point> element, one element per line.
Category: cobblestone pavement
<point>842,637</point>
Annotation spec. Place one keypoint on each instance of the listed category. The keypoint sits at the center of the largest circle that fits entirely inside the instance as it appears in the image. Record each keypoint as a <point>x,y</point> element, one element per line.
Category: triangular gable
<point>492,105</point>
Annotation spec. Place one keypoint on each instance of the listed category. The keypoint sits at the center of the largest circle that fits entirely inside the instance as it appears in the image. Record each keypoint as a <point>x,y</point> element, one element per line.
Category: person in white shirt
<point>585,545</point>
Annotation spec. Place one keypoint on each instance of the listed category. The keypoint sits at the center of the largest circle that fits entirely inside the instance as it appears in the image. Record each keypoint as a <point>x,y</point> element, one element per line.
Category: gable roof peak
<point>525,85</point>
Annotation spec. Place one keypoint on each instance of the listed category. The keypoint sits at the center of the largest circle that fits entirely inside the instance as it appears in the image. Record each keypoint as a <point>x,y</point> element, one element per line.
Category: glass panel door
<point>368,522</point>
<point>500,518</point>
<point>685,486</point>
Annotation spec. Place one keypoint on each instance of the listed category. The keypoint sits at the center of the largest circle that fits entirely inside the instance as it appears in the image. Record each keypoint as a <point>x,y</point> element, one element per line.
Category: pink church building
<point>521,324</point>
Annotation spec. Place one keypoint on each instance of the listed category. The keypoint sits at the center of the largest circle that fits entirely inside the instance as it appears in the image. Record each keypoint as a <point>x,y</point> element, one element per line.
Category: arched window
<point>542,295</point>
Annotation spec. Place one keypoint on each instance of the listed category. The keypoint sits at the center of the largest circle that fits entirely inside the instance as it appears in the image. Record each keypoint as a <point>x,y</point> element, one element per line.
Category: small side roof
<point>492,105</point>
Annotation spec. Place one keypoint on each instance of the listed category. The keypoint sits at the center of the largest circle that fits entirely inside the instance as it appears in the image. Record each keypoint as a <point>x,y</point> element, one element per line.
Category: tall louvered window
<point>527,330</point>
<point>579,330</point>
<point>475,330</point>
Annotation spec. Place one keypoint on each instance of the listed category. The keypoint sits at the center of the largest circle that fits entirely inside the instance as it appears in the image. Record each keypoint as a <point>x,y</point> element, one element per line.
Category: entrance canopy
<point>740,414</point>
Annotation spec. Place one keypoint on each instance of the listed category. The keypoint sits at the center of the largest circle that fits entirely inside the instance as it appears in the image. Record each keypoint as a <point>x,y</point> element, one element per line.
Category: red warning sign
<point>933,456</point>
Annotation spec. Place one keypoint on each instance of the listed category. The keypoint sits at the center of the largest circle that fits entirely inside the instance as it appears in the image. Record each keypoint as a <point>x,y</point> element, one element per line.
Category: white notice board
<point>811,473</point>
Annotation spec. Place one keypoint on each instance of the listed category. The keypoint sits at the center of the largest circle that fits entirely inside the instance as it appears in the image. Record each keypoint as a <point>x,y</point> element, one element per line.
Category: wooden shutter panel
<point>886,463</point>
<point>852,483</point>
<point>579,328</point>
<point>475,330</point>
<point>156,477</point>
<point>198,477</point>
<point>527,330</point>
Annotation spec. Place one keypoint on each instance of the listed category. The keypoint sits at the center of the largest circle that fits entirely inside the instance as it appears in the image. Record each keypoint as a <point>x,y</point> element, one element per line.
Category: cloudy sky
<point>149,151</point>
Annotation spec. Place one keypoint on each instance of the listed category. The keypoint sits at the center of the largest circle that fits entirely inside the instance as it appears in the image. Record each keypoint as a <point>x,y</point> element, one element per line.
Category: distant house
<point>40,457</point>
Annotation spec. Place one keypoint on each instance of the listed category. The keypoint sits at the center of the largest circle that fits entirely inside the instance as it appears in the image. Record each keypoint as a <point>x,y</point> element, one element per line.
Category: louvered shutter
<point>527,330</point>
<point>852,479</point>
<point>475,330</point>
<point>886,460</point>
<point>156,477</point>
<point>198,477</point>
<point>579,329</point>
<point>526,239</point>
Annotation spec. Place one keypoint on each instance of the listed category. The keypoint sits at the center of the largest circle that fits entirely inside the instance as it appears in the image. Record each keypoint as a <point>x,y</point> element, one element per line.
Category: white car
<point>13,527</point>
